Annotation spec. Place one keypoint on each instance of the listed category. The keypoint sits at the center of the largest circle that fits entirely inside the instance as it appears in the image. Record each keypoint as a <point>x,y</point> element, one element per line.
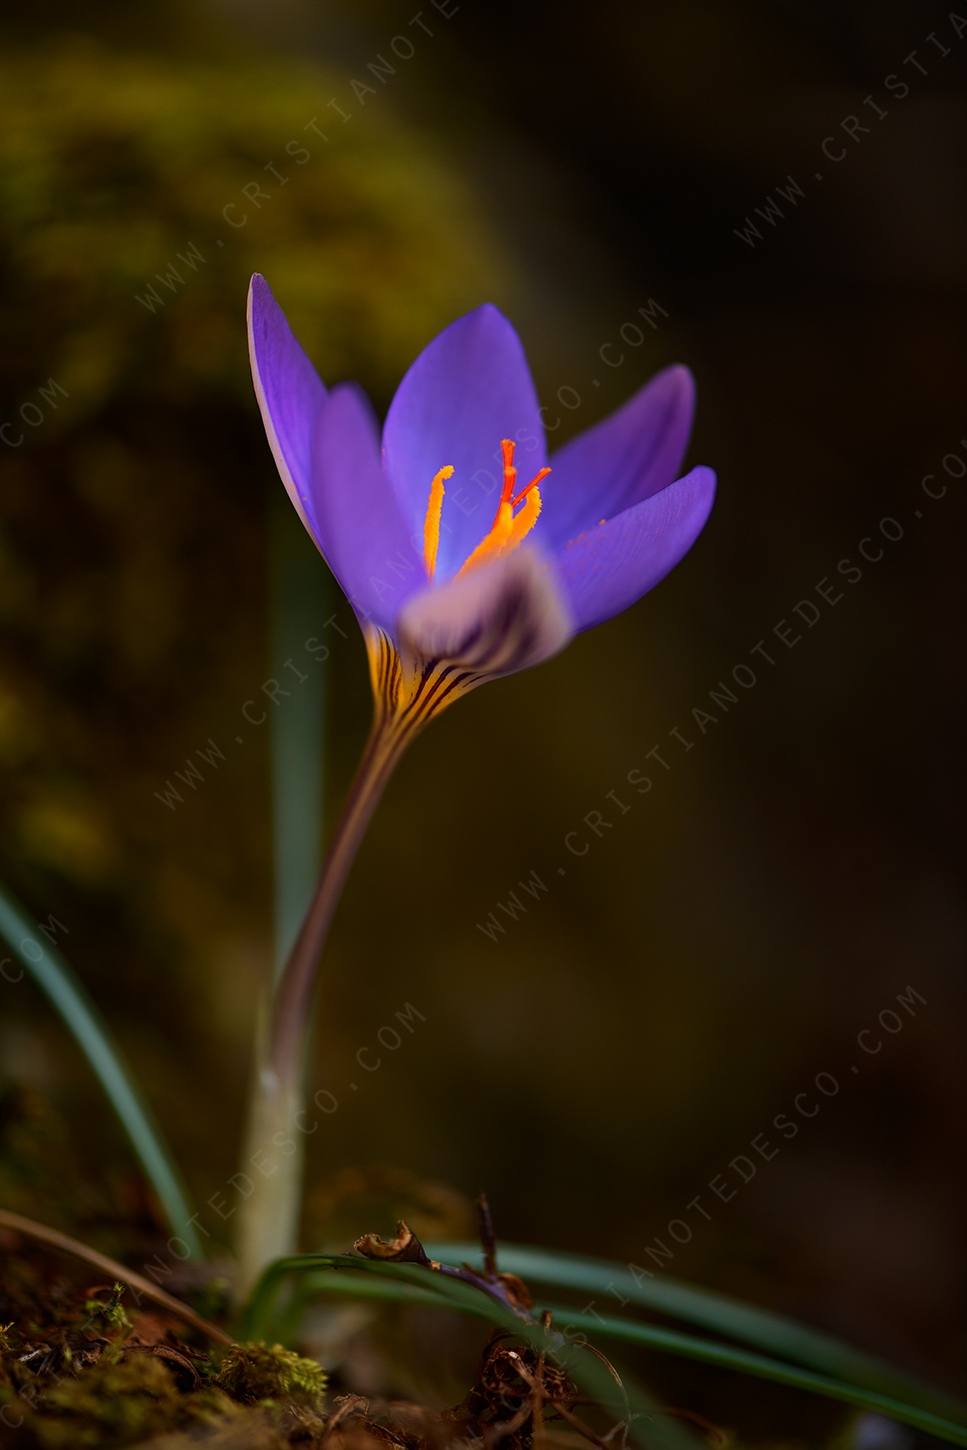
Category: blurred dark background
<point>605,1057</point>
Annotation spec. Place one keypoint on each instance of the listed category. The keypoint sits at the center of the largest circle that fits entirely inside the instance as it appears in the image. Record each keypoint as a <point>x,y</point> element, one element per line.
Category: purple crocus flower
<point>461,562</point>
<point>460,568</point>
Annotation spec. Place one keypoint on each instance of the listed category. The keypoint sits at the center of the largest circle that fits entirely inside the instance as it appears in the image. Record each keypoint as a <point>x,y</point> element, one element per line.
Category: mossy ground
<point>81,1366</point>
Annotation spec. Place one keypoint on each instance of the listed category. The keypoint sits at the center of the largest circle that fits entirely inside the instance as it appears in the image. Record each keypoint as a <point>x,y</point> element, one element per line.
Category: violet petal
<point>469,389</point>
<point>629,456</point>
<point>607,568</point>
<point>290,395</point>
<point>361,529</point>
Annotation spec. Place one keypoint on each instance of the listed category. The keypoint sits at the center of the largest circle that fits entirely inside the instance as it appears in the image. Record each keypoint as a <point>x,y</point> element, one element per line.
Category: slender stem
<point>268,1217</point>
<point>294,990</point>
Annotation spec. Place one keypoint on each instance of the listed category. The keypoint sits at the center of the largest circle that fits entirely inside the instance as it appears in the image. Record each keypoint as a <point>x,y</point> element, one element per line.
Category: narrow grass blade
<point>707,1350</point>
<point>649,1427</point>
<point>414,1289</point>
<point>63,989</point>
<point>112,1270</point>
<point>776,1333</point>
<point>296,714</point>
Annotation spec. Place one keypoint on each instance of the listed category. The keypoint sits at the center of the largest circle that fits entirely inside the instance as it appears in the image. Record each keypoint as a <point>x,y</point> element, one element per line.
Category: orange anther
<point>431,524</point>
<point>507,530</point>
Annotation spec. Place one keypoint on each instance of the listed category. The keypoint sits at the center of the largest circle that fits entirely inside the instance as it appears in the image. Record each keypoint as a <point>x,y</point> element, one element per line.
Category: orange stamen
<point>431,524</point>
<point>508,529</point>
<point>528,516</point>
<point>510,476</point>
<point>533,483</point>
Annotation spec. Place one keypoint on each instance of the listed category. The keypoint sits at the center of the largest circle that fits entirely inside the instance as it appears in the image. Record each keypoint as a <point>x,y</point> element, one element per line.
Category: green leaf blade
<point>413,1284</point>
<point>69,997</point>
<point>649,1428</point>
<point>776,1333</point>
<point>709,1352</point>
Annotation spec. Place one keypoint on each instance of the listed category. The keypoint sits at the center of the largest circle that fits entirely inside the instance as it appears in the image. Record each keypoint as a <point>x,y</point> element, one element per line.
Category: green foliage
<point>415,1284</point>
<point>710,1352</point>
<point>649,1429</point>
<point>257,1374</point>
<point>111,1310</point>
<point>776,1333</point>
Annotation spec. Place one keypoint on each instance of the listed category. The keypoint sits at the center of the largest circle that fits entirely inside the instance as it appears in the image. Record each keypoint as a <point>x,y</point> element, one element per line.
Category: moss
<point>255,1374</point>
<point>111,1405</point>
<point>126,176</point>
<point>71,1377</point>
<point>110,1311</point>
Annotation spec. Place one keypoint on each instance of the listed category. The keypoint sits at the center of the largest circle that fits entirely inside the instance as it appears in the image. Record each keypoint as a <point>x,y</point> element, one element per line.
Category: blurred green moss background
<point>600,1063</point>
